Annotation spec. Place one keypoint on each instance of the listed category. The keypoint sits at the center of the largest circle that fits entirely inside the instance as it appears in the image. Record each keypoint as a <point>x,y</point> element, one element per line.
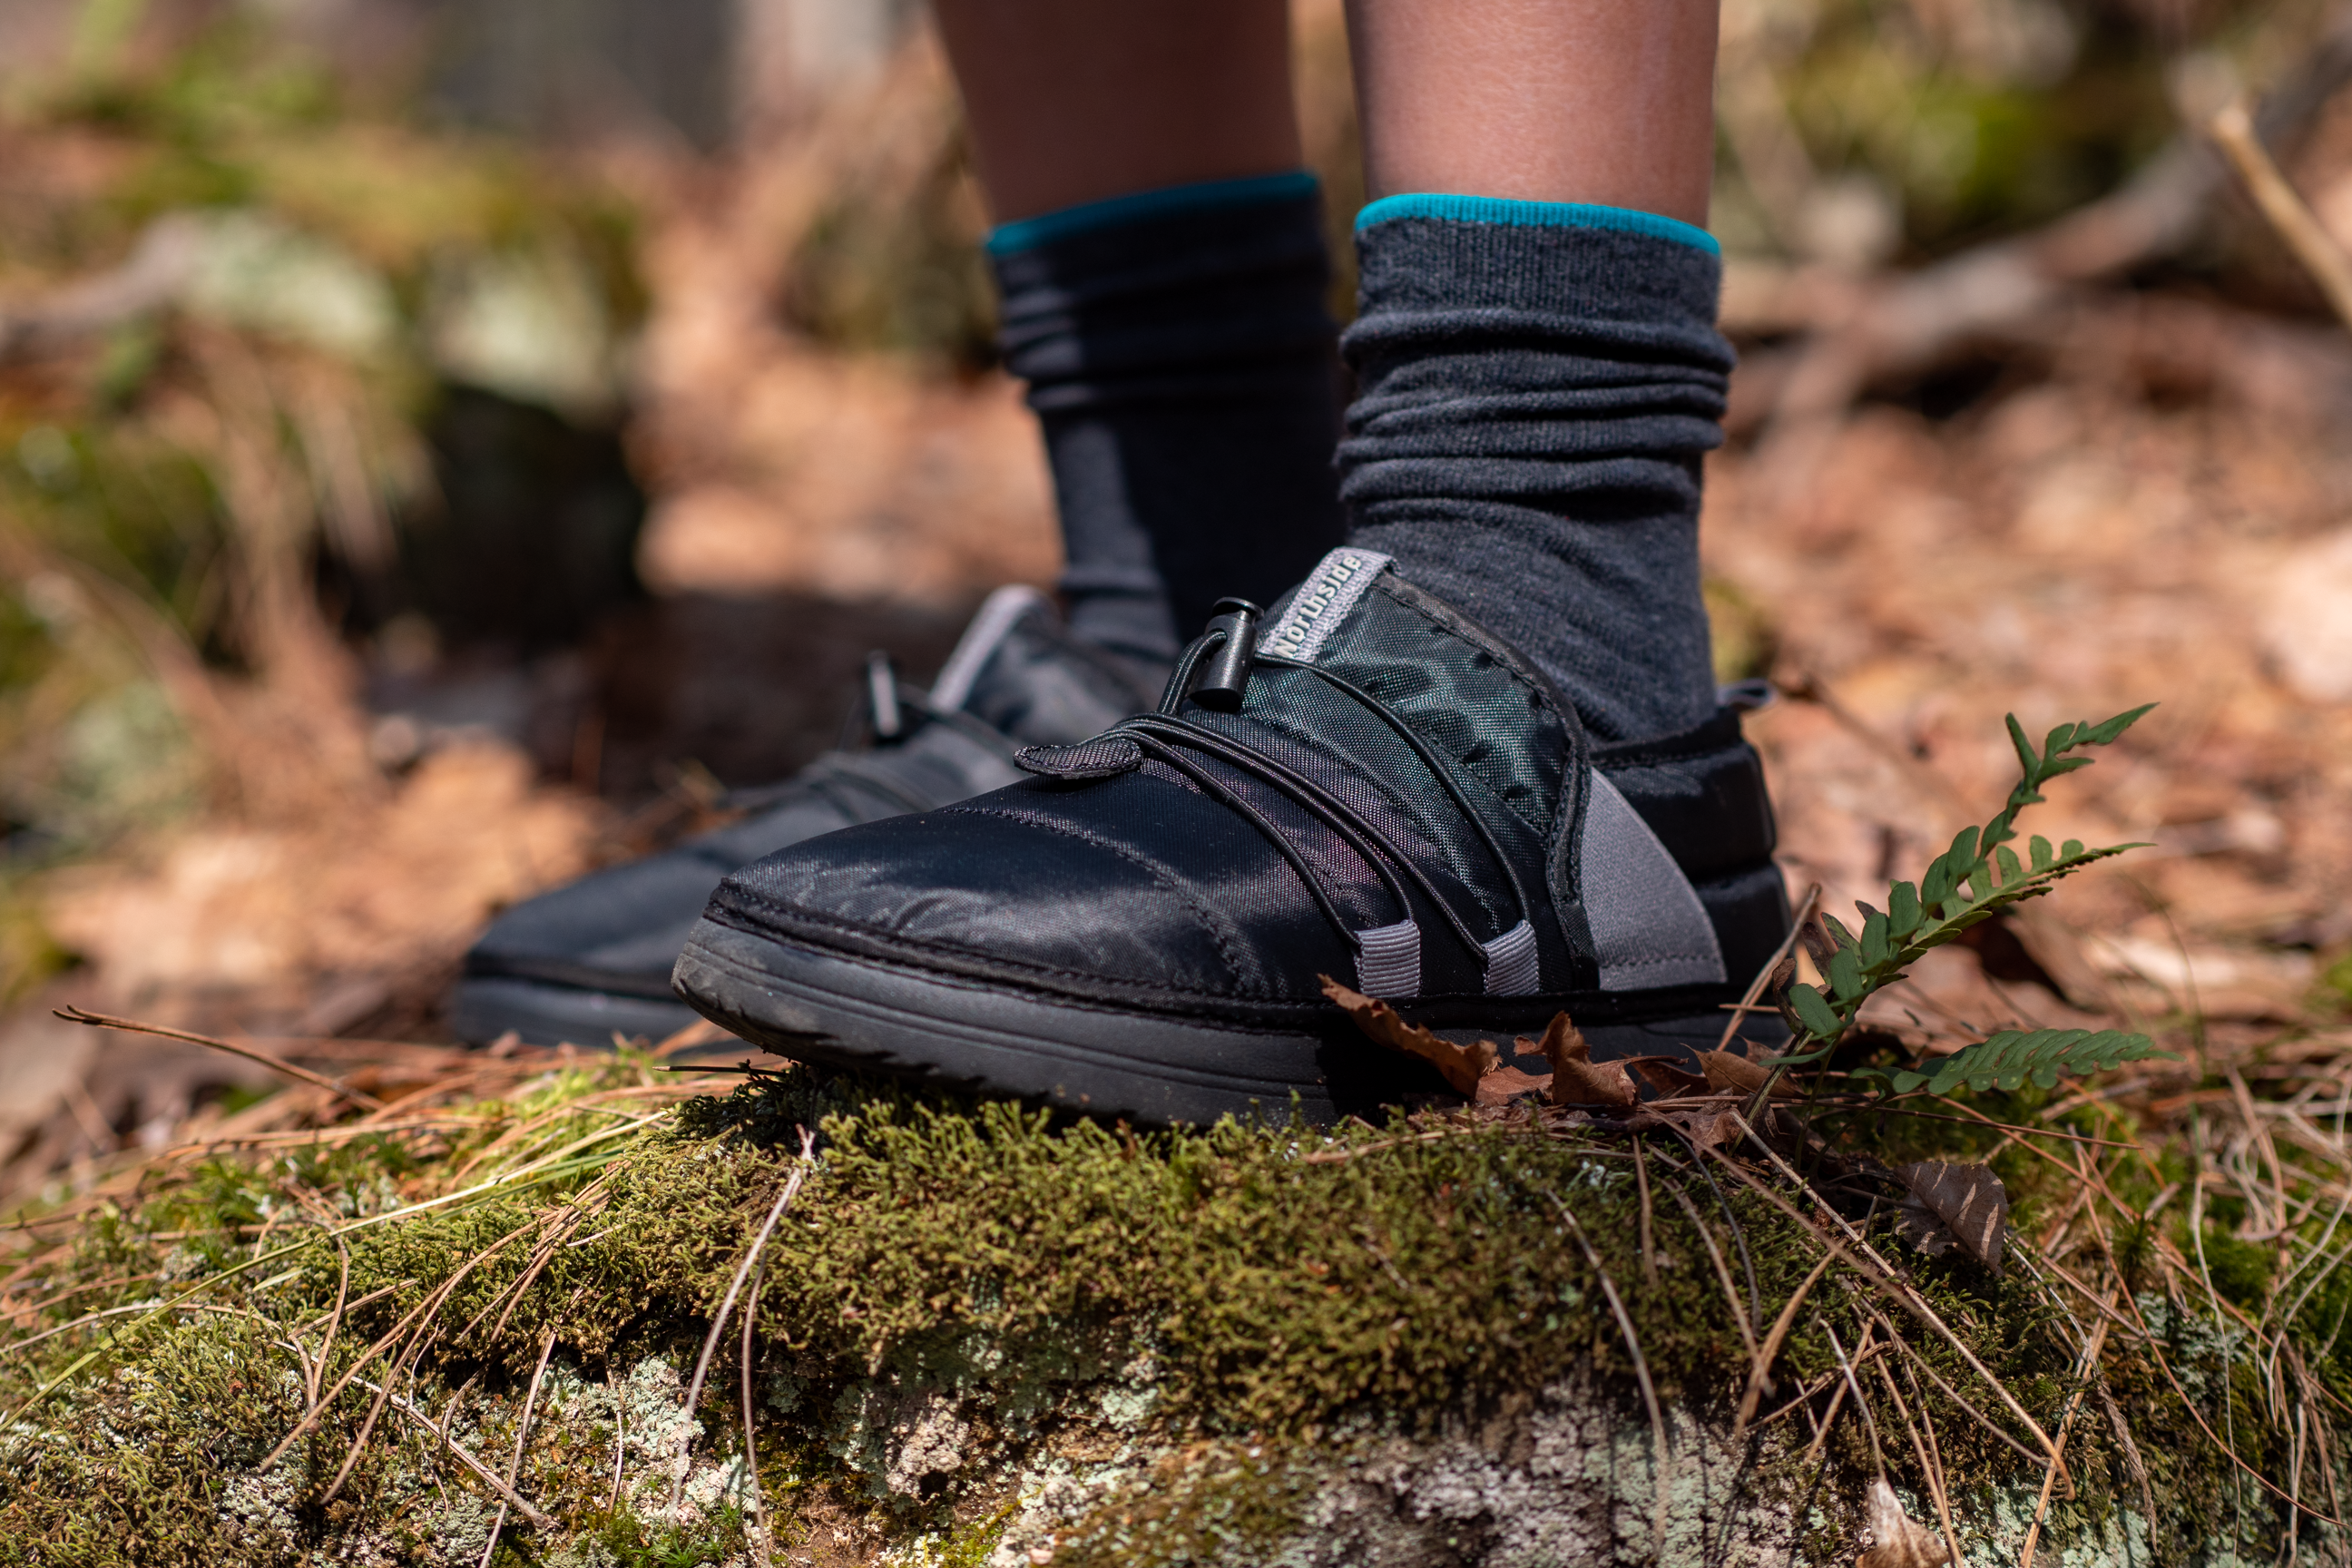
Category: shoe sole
<point>817,1006</point>
<point>487,1007</point>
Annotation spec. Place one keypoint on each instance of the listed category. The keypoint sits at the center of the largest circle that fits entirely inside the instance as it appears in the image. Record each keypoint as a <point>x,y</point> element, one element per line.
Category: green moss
<point>960,1292</point>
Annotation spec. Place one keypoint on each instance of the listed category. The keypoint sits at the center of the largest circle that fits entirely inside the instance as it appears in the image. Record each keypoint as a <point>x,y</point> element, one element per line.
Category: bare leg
<point>1074,101</point>
<point>1606,101</point>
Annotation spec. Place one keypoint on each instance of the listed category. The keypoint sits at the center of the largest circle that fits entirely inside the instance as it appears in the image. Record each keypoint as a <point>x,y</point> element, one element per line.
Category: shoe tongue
<point>1466,693</point>
<point>1016,671</point>
<point>1322,604</point>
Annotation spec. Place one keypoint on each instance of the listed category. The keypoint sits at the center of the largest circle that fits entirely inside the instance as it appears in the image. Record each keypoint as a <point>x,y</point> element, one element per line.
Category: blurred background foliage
<point>317,316</point>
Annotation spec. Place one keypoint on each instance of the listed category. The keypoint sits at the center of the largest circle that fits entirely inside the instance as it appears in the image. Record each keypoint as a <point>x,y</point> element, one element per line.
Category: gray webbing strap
<point>1648,926</point>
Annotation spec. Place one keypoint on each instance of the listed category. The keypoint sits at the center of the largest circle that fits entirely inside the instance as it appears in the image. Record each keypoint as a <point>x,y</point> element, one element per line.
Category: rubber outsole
<point>487,1007</point>
<point>814,1004</point>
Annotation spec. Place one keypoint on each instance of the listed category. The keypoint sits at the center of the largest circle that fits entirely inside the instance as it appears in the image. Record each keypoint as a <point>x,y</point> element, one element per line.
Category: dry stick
<point>2285,208</point>
<point>1911,1299</point>
<point>1640,1367</point>
<point>1930,1460</point>
<point>764,1525</point>
<point>274,1063</point>
<point>735,1289</point>
<point>522,1436</point>
<point>1763,1359</point>
<point>490,1477</point>
<point>1649,1249</point>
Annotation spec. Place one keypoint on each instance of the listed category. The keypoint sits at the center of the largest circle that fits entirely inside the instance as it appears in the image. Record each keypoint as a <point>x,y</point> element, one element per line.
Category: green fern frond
<point>1976,879</point>
<point>2008,1059</point>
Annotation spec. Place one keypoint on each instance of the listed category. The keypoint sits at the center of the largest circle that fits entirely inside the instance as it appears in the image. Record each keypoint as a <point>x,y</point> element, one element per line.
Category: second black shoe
<point>1373,788</point>
<point>593,958</point>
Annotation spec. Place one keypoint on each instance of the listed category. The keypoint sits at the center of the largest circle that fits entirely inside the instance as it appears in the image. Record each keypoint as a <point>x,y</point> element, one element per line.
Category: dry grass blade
<point>1805,908</point>
<point>489,1477</point>
<point>1722,1274</point>
<point>1649,1242</point>
<point>1761,1356</point>
<point>274,1063</point>
<point>763,1528</point>
<point>1912,1301</point>
<point>735,1286</point>
<point>522,1438</point>
<point>1931,1461</point>
<point>1641,1366</point>
<point>2090,1370</point>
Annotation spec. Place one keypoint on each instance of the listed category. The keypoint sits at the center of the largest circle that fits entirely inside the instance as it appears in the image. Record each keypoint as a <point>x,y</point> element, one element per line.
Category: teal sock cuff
<point>1534,215</point>
<point>1169,201</point>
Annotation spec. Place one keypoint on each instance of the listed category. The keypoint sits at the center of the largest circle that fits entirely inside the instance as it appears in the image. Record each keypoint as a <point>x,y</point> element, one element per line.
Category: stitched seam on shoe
<point>1201,913</point>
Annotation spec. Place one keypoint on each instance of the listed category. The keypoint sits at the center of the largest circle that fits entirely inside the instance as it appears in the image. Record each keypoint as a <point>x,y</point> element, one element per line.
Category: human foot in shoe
<point>594,957</point>
<point>1378,790</point>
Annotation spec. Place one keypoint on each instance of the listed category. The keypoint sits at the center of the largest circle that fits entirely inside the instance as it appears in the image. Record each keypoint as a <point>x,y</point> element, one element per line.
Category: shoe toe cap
<point>1001,883</point>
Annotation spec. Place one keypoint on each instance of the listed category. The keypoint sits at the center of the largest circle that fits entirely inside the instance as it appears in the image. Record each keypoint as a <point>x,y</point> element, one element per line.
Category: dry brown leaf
<point>1661,1074</point>
<point>1575,1077</point>
<point>1463,1065</point>
<point>1501,1085</point>
<point>1951,1202</point>
<point>1706,1128</point>
<point>1728,1074</point>
<point>1896,1540</point>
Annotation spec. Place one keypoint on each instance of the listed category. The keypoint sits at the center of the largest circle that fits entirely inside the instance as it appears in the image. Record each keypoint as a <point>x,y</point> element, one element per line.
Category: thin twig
<point>2050,1476</point>
<point>274,1063</point>
<point>1869,1422</point>
<point>522,1436</point>
<point>735,1289</point>
<point>2284,209</point>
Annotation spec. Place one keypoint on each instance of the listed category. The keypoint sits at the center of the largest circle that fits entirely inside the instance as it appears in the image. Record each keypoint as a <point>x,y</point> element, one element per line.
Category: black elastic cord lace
<point>1166,735</point>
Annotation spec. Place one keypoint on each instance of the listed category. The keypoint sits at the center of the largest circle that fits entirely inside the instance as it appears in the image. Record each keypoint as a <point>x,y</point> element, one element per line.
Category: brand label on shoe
<point>1322,603</point>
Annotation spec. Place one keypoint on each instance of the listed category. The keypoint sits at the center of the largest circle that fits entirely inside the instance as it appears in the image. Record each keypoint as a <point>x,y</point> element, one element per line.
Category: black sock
<point>1535,384</point>
<point>1179,356</point>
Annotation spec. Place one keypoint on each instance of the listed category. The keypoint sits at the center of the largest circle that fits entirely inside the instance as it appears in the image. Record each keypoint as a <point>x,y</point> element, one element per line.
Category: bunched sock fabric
<point>1179,358</point>
<point>1535,384</point>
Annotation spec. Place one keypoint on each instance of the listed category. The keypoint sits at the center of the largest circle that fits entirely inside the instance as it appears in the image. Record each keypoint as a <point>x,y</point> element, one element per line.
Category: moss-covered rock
<point>981,1336</point>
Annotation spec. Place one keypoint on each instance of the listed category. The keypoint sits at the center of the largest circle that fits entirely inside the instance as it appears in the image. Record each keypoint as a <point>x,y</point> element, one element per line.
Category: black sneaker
<point>594,957</point>
<point>1385,792</point>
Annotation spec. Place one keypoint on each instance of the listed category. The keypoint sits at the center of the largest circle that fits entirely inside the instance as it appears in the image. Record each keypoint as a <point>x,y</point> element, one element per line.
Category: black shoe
<point>1385,794</point>
<point>594,957</point>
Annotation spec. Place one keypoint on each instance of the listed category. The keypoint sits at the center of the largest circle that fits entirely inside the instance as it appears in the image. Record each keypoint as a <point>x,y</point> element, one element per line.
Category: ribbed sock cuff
<point>1169,201</point>
<point>1534,215</point>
